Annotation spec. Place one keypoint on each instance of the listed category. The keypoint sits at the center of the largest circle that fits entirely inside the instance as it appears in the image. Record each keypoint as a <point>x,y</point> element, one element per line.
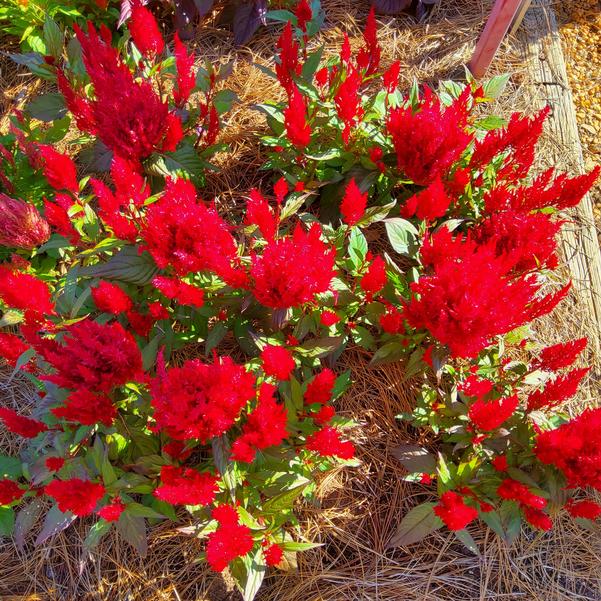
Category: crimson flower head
<point>183,293</point>
<point>375,277</point>
<point>321,387</point>
<point>392,321</point>
<point>259,213</point>
<point>184,233</point>
<point>327,443</point>
<point>25,292</point>
<point>353,203</point>
<point>110,298</point>
<point>186,77</point>
<point>298,129</point>
<point>277,362</point>
<point>453,511</point>
<point>264,428</point>
<point>112,512</point>
<point>58,218</point>
<point>558,356</point>
<point>11,348</point>
<point>512,490</point>
<point>348,102</point>
<point>185,486</point>
<point>75,495</point>
<point>145,31</point>
<point>292,270</point>
<point>329,318</point>
<point>288,65</point>
<point>87,408</point>
<point>557,391</point>
<point>59,169</point>
<point>230,540</point>
<point>273,555</point>
<point>369,56</point>
<point>538,519</point>
<point>303,14</point>
<point>9,491</point>
<point>21,425</point>
<point>54,464</point>
<point>93,356</point>
<point>584,509</point>
<point>429,204</point>
<point>490,415</point>
<point>21,225</point>
<point>390,78</point>
<point>199,400</point>
<point>429,140</point>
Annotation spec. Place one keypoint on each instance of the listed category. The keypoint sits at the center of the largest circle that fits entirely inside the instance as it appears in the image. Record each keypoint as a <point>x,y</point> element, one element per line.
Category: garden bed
<point>359,509</point>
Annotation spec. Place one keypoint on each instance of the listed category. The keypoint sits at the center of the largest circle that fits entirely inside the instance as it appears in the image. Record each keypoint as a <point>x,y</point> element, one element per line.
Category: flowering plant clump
<point>186,358</point>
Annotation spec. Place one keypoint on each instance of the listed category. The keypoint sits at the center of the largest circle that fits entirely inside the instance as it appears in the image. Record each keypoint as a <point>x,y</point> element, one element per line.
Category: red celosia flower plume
<point>21,225</point>
<point>11,347</point>
<point>303,14</point>
<point>468,297</point>
<point>87,408</point>
<point>321,387</point>
<point>186,234</point>
<point>273,555</point>
<point>512,490</point>
<point>21,425</point>
<point>327,442</point>
<point>199,400</point>
<point>186,77</point>
<point>75,495</point>
<point>277,361</point>
<point>183,293</point>
<point>185,486</point>
<point>584,509</point>
<point>288,67</point>
<point>111,298</point>
<point>9,491</point>
<point>558,356</point>
<point>429,139</point>
<point>538,519</point>
<point>54,464</point>
<point>392,320</point>
<point>292,270</point>
<point>353,204</point>
<point>490,415</point>
<point>25,292</point>
<point>375,277</point>
<point>557,391</point>
<point>369,56</point>
<point>58,168</point>
<point>229,541</point>
<point>298,129</point>
<point>453,511</point>
<point>112,512</point>
<point>59,219</point>
<point>145,31</point>
<point>429,204</point>
<point>264,428</point>
<point>259,213</point>
<point>92,356</point>
<point>348,102</point>
<point>390,78</point>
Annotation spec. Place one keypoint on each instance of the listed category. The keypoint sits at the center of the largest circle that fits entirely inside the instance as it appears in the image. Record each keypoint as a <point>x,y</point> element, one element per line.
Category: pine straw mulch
<point>357,509</point>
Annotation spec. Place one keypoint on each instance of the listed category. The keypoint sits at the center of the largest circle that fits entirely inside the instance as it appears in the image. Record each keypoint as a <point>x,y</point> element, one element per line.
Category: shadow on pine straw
<point>357,510</point>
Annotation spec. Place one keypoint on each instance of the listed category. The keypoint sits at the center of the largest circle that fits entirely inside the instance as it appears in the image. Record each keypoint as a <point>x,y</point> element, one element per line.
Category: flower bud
<point>21,225</point>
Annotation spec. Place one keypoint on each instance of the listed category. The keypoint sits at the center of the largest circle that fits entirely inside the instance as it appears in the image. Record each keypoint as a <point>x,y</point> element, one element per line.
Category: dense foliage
<point>187,358</point>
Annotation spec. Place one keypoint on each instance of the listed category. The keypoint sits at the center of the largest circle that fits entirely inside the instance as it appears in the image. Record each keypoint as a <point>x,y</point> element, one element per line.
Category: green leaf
<point>311,64</point>
<point>26,519</point>
<point>292,205</point>
<point>320,347</point>
<point>221,456</point>
<point>10,467</point>
<point>284,500</point>
<point>402,235</point>
<point>216,335</point>
<point>224,99</point>
<point>494,87</point>
<point>47,107</point>
<point>133,530</point>
<point>357,247</point>
<point>415,458</point>
<point>255,573</point>
<point>141,511</point>
<point>96,532</point>
<point>7,521</point>
<point>53,37</point>
<point>416,525</point>
<point>493,520</point>
<point>511,520</point>
<point>184,163</point>
<point>490,122</point>
<point>127,265</point>
<point>466,538</point>
<point>388,353</point>
<point>149,352</point>
<point>56,521</point>
<point>294,546</point>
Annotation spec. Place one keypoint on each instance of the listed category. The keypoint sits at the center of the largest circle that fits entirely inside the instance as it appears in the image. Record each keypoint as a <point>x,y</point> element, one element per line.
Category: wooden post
<point>501,17</point>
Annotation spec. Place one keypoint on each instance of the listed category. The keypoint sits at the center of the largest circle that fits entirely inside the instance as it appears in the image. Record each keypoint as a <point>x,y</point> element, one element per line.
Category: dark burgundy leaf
<point>203,6</point>
<point>247,19</point>
<point>185,14</point>
<point>391,7</point>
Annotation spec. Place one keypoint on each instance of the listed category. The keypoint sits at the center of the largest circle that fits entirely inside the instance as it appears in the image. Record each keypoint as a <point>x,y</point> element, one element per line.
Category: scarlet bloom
<point>54,464</point>
<point>181,232</point>
<point>186,77</point>
<point>21,225</point>
<point>453,511</point>
<point>93,356</point>
<point>9,491</point>
<point>145,31</point>
<point>329,318</point>
<point>353,203</point>
<point>512,490</point>
<point>490,415</point>
<point>537,518</point>
<point>11,348</point>
<point>327,443</point>
<point>292,270</point>
<point>59,169</point>
<point>298,129</point>
<point>75,495</point>
<point>321,388</point>
<point>288,66</point>
<point>259,213</point>
<point>391,321</point>
<point>183,293</point>
<point>429,139</point>
<point>369,56</point>
<point>277,362</point>
<point>59,219</point>
<point>110,298</point>
<point>230,540</point>
<point>429,204</point>
<point>390,78</point>
<point>303,14</point>
<point>112,512</point>
<point>375,278</point>
<point>574,448</point>
<point>558,356</point>
<point>25,292</point>
<point>273,555</point>
<point>87,408</point>
<point>348,102</point>
<point>475,386</point>
<point>558,390</point>
<point>469,296</point>
<point>280,189</point>
<point>185,486</point>
<point>18,424</point>
<point>583,509</point>
<point>500,463</point>
<point>324,415</point>
<point>264,428</point>
<point>199,400</point>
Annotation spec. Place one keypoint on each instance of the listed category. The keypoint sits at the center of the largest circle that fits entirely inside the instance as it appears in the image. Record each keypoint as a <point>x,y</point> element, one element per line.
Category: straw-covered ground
<point>357,510</point>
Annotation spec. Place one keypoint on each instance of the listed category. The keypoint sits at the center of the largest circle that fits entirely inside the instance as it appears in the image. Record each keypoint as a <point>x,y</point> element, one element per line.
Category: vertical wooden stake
<point>496,28</point>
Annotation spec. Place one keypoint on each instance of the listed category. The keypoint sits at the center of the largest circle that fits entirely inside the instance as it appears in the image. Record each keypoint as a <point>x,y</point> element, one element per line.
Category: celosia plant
<point>186,358</point>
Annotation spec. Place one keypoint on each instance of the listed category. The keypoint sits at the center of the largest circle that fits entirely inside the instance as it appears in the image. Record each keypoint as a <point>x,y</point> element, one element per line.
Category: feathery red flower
<point>186,486</point>
<point>59,219</point>
<point>348,102</point>
<point>21,225</point>
<point>199,400</point>
<point>327,443</point>
<point>288,65</point>
<point>429,204</point>
<point>584,509</point>
<point>145,31</point>
<point>303,14</point>
<point>512,490</point>
<point>54,464</point>
<point>298,130</point>
<point>292,270</point>
<point>558,356</point>
<point>321,387</point>
<point>58,169</point>
<point>112,512</point>
<point>229,541</point>
<point>273,555</point>
<point>186,77</point>
<point>259,213</point>
<point>110,298</point>
<point>453,511</point>
<point>390,78</point>
<point>352,207</point>
<point>183,293</point>
<point>21,425</point>
<point>11,347</point>
<point>329,318</point>
<point>277,361</point>
<point>87,408</point>
<point>75,495</point>
<point>557,391</point>
<point>392,320</point>
<point>9,491</point>
<point>537,518</point>
<point>25,292</point>
<point>490,415</point>
<point>375,277</point>
<point>369,55</point>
